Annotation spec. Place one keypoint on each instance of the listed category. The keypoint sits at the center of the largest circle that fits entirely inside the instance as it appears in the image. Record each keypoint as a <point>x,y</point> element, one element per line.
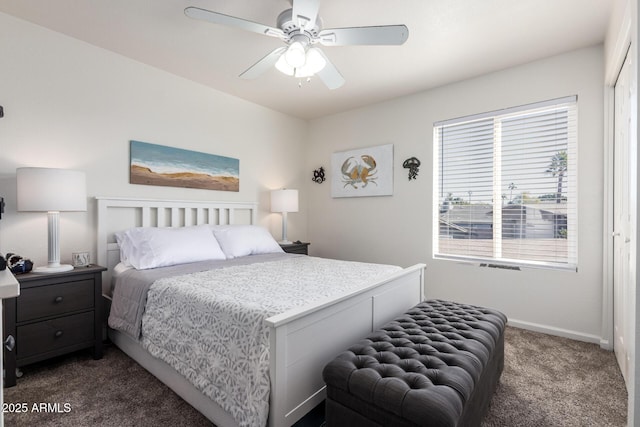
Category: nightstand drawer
<point>54,334</point>
<point>54,300</point>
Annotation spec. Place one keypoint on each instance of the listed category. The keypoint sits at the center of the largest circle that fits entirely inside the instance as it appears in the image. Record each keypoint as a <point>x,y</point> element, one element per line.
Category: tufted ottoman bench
<point>436,365</point>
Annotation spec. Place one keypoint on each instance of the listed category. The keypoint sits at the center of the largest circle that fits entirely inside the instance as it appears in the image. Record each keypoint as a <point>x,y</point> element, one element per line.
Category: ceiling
<point>449,40</point>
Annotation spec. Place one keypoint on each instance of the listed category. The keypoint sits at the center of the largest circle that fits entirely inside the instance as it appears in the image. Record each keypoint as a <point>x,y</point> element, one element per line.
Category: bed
<point>300,339</point>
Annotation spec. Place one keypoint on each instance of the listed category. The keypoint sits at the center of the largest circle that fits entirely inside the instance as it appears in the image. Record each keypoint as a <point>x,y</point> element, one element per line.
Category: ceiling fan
<point>301,28</point>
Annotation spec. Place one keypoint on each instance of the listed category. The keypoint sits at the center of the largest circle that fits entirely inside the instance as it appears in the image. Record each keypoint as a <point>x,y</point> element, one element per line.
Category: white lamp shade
<point>314,63</point>
<point>295,55</point>
<point>51,190</point>
<point>284,200</point>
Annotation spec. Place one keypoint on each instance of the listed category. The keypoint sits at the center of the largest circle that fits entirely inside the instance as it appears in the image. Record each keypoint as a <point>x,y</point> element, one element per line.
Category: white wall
<point>398,229</point>
<point>71,105</point>
<point>634,371</point>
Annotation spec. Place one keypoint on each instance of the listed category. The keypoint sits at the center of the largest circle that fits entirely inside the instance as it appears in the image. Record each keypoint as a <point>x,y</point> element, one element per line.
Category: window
<point>505,186</point>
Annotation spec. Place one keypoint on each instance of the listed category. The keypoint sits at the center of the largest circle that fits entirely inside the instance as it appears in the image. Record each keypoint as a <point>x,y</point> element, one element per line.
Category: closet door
<point>623,298</point>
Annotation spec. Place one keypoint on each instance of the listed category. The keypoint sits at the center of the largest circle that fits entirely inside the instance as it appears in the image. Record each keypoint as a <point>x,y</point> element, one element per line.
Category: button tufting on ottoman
<point>436,365</point>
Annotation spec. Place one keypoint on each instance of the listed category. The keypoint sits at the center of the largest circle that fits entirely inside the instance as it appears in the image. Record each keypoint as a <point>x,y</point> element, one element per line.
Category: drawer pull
<point>10,343</point>
<point>58,299</point>
<point>58,334</point>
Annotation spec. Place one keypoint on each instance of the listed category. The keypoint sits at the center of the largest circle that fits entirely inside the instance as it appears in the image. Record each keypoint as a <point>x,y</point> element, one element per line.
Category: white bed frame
<point>303,340</point>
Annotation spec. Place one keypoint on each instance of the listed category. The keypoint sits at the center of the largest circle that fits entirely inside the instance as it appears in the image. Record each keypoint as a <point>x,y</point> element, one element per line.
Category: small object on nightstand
<point>296,247</point>
<point>54,314</point>
<point>18,264</point>
<point>80,259</point>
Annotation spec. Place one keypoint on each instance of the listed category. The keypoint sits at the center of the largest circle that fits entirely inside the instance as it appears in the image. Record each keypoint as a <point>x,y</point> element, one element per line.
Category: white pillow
<point>242,240</point>
<point>151,247</point>
<point>126,247</point>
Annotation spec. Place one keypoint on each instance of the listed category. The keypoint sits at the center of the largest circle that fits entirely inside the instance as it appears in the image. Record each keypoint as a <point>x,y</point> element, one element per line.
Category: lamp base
<point>285,242</point>
<point>48,270</point>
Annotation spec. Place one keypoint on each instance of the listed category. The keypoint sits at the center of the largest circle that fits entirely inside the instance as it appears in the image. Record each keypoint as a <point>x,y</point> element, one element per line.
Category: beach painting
<point>153,164</point>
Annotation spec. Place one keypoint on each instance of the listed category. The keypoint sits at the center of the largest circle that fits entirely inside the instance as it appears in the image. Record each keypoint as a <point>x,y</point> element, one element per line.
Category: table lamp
<point>52,191</point>
<point>284,201</point>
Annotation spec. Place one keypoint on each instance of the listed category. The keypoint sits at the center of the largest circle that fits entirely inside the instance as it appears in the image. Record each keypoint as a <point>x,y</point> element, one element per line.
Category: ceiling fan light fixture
<point>295,55</point>
<point>314,62</point>
<point>284,67</point>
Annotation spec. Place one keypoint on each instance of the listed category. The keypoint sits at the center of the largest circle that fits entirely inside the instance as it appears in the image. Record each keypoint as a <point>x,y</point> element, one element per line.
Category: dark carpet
<point>547,381</point>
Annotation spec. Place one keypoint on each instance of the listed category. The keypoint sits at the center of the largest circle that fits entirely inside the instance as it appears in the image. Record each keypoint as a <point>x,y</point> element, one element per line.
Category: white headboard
<point>117,214</point>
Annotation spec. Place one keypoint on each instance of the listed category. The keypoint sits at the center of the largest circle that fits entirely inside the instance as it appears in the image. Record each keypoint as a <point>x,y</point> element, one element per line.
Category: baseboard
<point>565,333</point>
<point>606,345</point>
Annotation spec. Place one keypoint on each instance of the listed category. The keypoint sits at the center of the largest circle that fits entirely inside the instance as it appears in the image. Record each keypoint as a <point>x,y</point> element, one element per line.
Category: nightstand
<point>55,314</point>
<point>296,248</point>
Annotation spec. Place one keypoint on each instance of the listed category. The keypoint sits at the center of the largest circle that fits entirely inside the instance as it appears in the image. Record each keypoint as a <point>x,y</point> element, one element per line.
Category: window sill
<point>507,265</point>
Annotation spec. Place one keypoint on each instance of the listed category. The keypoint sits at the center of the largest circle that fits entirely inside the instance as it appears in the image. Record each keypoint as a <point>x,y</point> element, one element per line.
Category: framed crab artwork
<point>362,172</point>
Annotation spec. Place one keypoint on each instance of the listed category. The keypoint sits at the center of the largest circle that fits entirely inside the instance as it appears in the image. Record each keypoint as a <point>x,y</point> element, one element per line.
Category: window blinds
<point>505,186</point>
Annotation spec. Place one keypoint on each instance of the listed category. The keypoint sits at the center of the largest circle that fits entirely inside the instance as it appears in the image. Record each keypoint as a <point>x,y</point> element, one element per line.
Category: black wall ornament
<point>412,164</point>
<point>318,175</point>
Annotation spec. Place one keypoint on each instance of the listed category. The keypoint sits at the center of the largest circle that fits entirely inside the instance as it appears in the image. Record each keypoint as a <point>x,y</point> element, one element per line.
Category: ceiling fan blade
<point>382,35</point>
<point>330,75</point>
<point>263,65</point>
<point>232,21</point>
<point>305,13</point>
